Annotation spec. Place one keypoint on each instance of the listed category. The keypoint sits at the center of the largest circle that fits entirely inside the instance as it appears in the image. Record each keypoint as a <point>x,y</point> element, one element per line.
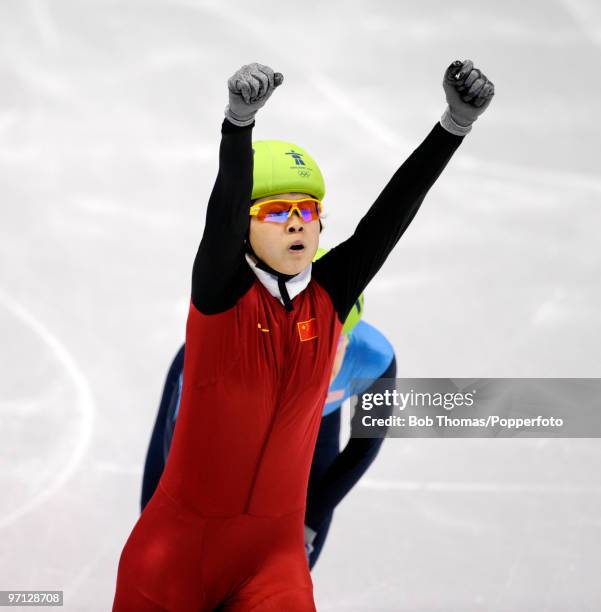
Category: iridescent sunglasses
<point>278,211</point>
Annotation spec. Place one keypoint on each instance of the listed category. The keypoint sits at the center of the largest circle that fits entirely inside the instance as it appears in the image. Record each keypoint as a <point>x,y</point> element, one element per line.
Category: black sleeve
<point>341,477</point>
<point>220,275</point>
<point>350,465</point>
<point>346,269</point>
<point>155,458</point>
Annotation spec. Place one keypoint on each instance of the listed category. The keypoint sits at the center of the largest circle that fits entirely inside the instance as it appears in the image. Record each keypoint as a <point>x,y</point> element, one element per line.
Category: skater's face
<point>342,344</point>
<point>287,247</point>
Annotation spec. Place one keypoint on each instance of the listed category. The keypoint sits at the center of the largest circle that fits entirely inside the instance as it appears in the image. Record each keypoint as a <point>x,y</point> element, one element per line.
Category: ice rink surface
<point>110,117</point>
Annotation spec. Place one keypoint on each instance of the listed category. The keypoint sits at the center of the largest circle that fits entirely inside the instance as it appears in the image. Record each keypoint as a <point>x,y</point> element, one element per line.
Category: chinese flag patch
<point>306,330</point>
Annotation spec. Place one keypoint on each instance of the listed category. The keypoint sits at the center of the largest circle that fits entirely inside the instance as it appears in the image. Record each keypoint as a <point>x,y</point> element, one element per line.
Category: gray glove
<point>468,93</point>
<point>309,537</point>
<point>249,88</point>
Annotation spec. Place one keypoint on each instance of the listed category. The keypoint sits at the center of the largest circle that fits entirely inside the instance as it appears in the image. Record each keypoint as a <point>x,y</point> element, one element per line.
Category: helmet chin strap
<point>282,278</point>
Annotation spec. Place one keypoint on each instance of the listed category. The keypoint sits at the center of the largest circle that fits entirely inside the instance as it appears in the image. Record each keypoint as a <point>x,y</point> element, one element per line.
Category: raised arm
<point>346,269</point>
<point>219,262</point>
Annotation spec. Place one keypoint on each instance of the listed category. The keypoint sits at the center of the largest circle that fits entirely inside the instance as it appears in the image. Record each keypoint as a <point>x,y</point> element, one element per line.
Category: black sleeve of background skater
<point>220,275</point>
<point>155,459</point>
<point>346,269</point>
<point>348,467</point>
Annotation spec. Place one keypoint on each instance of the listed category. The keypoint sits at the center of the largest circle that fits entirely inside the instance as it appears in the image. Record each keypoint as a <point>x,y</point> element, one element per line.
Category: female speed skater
<point>363,353</point>
<point>224,528</point>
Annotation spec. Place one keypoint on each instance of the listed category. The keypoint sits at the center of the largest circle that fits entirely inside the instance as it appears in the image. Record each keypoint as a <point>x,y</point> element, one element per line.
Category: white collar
<point>294,286</point>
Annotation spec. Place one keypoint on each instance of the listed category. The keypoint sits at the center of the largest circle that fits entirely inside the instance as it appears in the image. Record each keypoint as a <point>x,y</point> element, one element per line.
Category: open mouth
<point>296,247</point>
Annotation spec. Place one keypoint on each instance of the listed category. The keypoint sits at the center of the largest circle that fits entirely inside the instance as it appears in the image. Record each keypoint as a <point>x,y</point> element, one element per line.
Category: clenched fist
<point>249,88</point>
<point>468,92</point>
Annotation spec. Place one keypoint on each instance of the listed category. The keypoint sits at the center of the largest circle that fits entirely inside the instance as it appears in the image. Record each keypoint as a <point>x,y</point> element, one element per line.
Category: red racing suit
<point>224,528</point>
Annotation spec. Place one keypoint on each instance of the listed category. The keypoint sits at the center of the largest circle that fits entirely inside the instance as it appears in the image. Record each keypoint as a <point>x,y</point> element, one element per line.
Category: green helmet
<point>283,167</point>
<point>354,316</point>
